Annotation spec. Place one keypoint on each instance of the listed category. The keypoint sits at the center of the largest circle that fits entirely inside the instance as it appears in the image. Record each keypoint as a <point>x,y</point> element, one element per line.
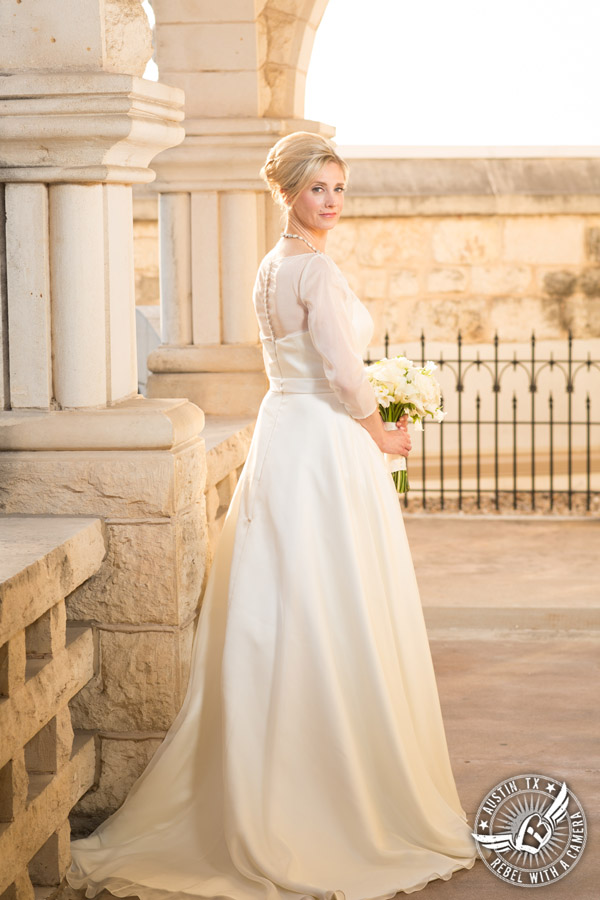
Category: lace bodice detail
<point>307,297</point>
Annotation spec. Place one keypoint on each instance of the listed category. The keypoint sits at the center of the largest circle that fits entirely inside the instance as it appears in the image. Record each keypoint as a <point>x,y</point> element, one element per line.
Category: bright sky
<point>466,72</point>
<point>461,73</point>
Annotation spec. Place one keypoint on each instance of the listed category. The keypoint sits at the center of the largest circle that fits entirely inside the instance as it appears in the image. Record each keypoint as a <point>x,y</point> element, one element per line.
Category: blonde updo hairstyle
<point>293,162</point>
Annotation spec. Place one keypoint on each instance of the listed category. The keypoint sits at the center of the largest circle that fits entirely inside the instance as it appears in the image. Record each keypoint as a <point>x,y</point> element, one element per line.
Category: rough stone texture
<point>503,279</point>
<point>383,241</point>
<point>376,284</point>
<point>213,503</point>
<point>189,475</point>
<point>589,281</point>
<point>121,762</point>
<point>437,317</point>
<point>49,863</point>
<point>136,582</point>
<point>444,281</point>
<point>127,484</point>
<point>192,556</point>
<point>46,812</point>
<point>560,284</point>
<point>127,36</point>
<point>42,560</point>
<point>404,283</point>
<point>544,239</point>
<point>44,767</point>
<point>465,240</point>
<point>476,273</point>
<point>152,573</point>
<point>46,35</point>
<point>34,704</point>
<point>583,316</point>
<point>507,315</point>
<point>136,687</point>
<point>592,244</point>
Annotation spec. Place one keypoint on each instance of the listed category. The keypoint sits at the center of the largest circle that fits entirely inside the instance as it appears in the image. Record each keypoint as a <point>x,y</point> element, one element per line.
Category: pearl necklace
<point>285,235</point>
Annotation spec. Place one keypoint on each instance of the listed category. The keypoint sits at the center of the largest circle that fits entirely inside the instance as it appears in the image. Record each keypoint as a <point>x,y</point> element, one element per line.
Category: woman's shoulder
<point>304,266</point>
<point>325,265</point>
<point>321,271</point>
<point>322,263</point>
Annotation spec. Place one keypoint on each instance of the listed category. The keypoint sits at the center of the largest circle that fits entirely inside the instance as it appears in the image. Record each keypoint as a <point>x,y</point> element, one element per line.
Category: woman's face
<point>319,205</point>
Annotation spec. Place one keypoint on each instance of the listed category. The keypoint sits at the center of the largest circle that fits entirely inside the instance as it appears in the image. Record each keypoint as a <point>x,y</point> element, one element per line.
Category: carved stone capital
<point>85,127</point>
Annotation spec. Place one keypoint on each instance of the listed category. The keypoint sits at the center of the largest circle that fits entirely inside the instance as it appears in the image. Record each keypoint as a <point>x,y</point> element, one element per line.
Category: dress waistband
<point>299,385</point>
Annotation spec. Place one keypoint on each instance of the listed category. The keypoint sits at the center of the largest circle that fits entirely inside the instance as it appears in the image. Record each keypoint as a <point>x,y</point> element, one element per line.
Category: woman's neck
<point>318,237</point>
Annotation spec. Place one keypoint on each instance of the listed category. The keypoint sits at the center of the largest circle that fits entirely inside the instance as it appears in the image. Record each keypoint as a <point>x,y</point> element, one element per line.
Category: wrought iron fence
<point>543,453</point>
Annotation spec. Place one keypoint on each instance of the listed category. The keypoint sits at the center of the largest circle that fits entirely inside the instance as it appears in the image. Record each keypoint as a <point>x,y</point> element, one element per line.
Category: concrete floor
<point>514,706</point>
<point>512,609</point>
<point>502,572</point>
<point>513,614</point>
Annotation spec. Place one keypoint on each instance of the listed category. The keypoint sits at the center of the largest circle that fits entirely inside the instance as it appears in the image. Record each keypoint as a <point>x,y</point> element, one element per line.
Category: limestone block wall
<point>509,274</point>
<point>143,601</point>
<point>46,762</point>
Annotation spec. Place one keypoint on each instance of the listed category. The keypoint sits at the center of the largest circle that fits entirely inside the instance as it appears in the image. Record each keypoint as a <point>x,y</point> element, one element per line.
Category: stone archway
<point>250,62</point>
<point>288,39</point>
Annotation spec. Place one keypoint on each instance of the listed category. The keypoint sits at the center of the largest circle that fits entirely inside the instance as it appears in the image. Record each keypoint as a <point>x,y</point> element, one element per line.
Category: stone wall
<point>480,274</point>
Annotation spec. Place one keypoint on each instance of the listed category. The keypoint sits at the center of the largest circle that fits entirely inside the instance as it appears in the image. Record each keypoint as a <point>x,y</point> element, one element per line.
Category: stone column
<point>78,127</point>
<point>175,268</point>
<point>79,339</point>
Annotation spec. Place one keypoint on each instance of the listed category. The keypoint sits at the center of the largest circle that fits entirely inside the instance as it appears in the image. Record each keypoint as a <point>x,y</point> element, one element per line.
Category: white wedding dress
<point>309,758</point>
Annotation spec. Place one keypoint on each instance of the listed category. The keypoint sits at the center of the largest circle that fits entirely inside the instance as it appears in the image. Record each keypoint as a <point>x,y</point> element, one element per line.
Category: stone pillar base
<point>222,379</point>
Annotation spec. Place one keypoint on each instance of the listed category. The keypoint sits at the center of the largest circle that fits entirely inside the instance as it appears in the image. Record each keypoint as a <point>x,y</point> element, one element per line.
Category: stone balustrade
<point>227,440</point>
<point>45,766</point>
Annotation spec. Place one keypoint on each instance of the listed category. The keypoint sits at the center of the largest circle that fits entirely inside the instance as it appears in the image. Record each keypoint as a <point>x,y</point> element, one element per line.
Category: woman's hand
<point>396,443</point>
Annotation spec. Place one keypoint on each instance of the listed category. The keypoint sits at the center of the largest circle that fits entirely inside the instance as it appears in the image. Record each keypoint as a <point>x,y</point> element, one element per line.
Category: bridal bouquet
<point>404,388</point>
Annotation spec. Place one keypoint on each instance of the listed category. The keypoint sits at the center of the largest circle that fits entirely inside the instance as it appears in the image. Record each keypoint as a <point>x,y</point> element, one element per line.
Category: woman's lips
<point>329,215</point>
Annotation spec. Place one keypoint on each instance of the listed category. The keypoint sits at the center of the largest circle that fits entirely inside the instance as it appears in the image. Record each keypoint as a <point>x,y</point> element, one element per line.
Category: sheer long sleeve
<point>323,293</point>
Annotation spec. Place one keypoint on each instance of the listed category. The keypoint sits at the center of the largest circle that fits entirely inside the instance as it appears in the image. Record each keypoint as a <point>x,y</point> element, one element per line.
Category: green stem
<point>401,481</point>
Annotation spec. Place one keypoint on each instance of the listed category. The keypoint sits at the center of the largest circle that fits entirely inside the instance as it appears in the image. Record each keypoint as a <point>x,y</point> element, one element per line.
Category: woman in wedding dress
<point>309,758</point>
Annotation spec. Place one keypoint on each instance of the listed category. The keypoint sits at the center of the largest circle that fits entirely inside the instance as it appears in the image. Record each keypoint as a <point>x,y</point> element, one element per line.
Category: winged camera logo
<point>530,830</point>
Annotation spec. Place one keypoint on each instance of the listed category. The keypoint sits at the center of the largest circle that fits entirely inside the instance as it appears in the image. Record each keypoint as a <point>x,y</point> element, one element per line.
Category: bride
<point>309,758</point>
